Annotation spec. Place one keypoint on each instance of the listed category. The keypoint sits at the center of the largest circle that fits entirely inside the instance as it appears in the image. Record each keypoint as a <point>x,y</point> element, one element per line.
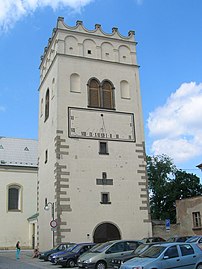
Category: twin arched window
<point>101,95</point>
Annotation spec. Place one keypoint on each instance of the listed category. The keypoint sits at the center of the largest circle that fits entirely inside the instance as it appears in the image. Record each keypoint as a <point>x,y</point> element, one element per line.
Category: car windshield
<point>140,249</point>
<point>101,247</point>
<point>76,249</point>
<point>193,239</point>
<point>71,248</point>
<point>153,252</point>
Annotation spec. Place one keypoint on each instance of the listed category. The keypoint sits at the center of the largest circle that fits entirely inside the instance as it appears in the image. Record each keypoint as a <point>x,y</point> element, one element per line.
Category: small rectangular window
<point>46,156</point>
<point>105,198</point>
<point>196,219</point>
<point>103,148</point>
<point>89,51</point>
<point>104,175</point>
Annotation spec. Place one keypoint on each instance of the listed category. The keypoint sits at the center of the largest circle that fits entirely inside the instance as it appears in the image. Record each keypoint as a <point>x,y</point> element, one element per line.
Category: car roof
<point>167,244</point>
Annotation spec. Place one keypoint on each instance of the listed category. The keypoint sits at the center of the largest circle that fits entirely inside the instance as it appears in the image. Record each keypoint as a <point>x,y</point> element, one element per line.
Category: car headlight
<point>87,261</point>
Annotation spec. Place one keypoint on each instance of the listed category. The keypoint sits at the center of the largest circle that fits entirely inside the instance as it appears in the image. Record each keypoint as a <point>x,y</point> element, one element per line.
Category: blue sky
<point>169,52</point>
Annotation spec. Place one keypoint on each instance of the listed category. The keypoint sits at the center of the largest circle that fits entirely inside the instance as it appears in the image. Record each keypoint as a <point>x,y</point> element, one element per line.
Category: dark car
<point>153,239</point>
<point>61,247</point>
<point>178,238</point>
<point>118,261</point>
<point>69,258</point>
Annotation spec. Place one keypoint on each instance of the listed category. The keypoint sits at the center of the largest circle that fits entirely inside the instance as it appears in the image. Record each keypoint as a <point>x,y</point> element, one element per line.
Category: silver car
<point>99,256</point>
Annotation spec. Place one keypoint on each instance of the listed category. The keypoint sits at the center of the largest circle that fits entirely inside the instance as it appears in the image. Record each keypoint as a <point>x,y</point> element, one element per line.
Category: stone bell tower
<point>92,166</point>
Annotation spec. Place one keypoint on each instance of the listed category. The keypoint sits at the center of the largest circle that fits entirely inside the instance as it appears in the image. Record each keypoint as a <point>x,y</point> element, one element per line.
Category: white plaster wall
<point>47,133</point>
<point>14,225</point>
<point>83,162</point>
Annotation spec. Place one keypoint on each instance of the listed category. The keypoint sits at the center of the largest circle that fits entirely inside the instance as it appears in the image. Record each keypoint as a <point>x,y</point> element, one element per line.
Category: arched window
<point>47,105</point>
<point>53,88</point>
<point>101,95</point>
<point>94,93</point>
<point>107,95</point>
<point>125,90</point>
<point>75,84</point>
<point>14,199</point>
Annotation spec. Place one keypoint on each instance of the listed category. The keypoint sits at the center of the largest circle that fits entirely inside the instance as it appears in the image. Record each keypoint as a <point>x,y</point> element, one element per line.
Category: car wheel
<point>70,263</point>
<point>101,265</point>
<point>199,266</point>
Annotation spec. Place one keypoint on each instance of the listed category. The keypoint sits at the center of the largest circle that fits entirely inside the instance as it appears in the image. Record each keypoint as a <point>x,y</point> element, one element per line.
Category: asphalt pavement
<point>8,261</point>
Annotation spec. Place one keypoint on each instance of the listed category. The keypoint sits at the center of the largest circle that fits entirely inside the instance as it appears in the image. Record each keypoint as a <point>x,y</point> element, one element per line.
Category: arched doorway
<point>106,232</point>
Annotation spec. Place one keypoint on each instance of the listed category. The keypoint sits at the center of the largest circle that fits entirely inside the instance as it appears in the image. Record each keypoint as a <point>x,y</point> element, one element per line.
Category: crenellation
<point>62,33</point>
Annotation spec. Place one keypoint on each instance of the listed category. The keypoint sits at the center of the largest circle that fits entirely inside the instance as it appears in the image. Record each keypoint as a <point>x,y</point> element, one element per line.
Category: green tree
<point>168,184</point>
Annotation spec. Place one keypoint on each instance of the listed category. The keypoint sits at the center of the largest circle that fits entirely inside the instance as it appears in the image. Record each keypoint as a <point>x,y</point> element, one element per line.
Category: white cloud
<point>12,10</point>
<point>176,127</point>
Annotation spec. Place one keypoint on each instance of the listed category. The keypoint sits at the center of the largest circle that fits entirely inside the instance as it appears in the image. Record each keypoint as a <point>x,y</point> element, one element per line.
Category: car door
<point>171,258</point>
<point>188,256</point>
<point>114,251</point>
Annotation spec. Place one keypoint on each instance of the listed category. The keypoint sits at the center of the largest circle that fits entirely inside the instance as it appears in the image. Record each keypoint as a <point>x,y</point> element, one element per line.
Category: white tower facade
<point>92,166</point>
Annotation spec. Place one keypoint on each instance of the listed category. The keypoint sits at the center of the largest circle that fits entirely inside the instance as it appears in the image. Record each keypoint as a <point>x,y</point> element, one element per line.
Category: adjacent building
<point>92,165</point>
<point>18,185</point>
<point>189,212</point>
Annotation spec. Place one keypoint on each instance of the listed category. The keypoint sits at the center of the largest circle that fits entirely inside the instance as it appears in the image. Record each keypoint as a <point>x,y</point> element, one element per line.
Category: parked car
<point>178,238</point>
<point>99,256</point>
<point>118,261</point>
<point>167,256</point>
<point>69,259</point>
<point>52,257</point>
<point>195,239</point>
<point>152,239</point>
<point>63,246</point>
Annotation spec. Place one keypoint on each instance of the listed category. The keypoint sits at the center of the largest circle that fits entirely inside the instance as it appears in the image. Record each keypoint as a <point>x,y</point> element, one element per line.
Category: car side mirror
<point>108,252</point>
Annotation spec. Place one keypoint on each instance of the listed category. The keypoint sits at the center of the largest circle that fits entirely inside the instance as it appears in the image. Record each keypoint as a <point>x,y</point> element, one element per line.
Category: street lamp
<point>47,207</point>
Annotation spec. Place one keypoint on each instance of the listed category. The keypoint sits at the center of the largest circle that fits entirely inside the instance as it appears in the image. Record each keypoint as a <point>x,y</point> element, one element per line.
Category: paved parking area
<point>8,261</point>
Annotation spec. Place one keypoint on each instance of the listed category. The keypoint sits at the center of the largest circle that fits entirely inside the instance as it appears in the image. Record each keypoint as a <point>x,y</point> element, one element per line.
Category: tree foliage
<point>168,184</point>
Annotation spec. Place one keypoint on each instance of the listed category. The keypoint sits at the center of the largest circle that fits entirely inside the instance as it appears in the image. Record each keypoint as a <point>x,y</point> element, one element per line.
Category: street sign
<point>167,224</point>
<point>53,223</point>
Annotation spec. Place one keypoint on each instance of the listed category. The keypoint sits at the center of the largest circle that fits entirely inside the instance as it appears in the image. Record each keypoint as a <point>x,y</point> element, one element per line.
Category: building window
<point>107,95</point>
<point>104,175</point>
<point>103,149</point>
<point>14,198</point>
<point>47,105</point>
<point>46,156</point>
<point>196,219</point>
<point>101,95</point>
<point>94,93</point>
<point>105,198</point>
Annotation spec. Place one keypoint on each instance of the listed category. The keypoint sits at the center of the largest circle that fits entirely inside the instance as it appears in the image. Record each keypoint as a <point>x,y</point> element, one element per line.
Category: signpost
<point>53,223</point>
<point>168,225</point>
